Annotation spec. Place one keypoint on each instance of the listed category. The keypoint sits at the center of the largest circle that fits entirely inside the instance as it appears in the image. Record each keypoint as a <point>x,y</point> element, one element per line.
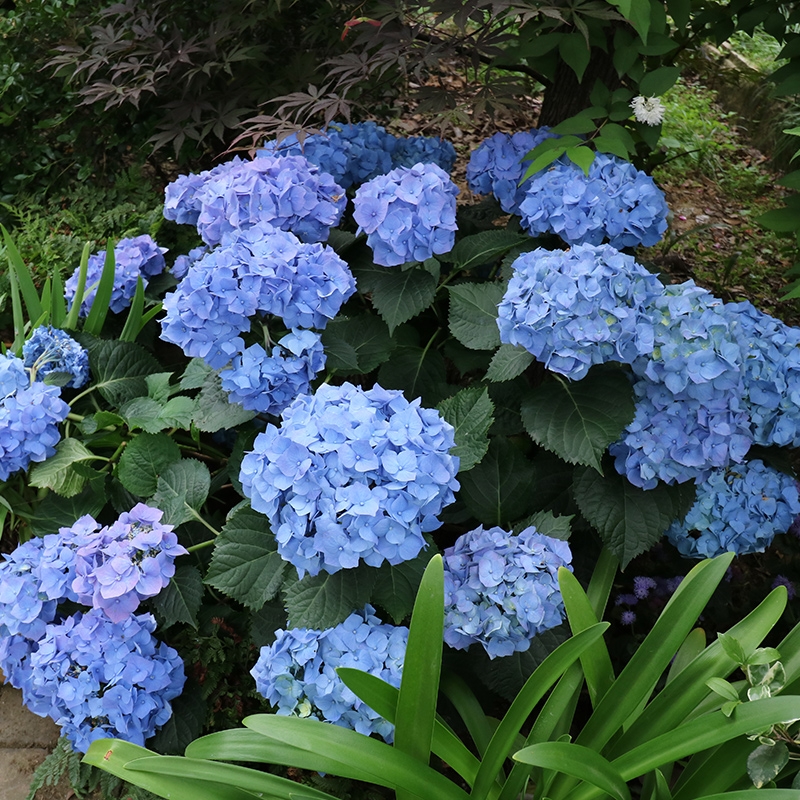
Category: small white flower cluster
<point>649,110</point>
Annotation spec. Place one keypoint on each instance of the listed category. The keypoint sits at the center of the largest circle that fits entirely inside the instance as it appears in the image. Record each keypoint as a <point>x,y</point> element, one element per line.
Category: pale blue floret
<point>52,350</point>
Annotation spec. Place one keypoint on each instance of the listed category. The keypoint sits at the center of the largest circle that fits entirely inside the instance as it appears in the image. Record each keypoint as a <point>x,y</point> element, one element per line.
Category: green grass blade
<point>357,756</point>
<point>754,794</point>
<point>58,302</point>
<point>466,704</point>
<point>537,685</point>
<point>46,302</point>
<point>601,581</point>
<point>579,762</point>
<point>692,646</point>
<point>114,756</point>
<point>595,661</point>
<point>99,310</point>
<point>419,687</point>
<point>637,679</point>
<point>382,698</point>
<point>262,783</point>
<point>681,696</point>
<point>146,317</point>
<point>17,317</point>
<point>133,324</point>
<point>26,285</point>
<point>71,320</point>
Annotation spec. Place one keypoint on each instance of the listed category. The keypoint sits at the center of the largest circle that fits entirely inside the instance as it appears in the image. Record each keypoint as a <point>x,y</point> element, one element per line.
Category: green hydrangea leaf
<point>143,460</point>
<point>470,412</point>
<point>473,314</point>
<point>179,600</point>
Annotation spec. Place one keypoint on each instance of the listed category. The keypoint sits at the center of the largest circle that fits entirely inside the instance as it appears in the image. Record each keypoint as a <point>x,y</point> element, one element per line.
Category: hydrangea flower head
<point>501,589</point>
<point>29,418</point>
<point>183,262</point>
<point>350,476</point>
<point>615,203</point>
<point>496,166</point>
<point>408,214</point>
<point>182,202</point>
<point>269,383</point>
<point>424,150</point>
<point>135,258</point>
<point>52,350</point>
<point>98,679</point>
<point>737,510</point>
<point>288,192</point>
<point>577,308</point>
<point>24,608</point>
<point>297,673</point>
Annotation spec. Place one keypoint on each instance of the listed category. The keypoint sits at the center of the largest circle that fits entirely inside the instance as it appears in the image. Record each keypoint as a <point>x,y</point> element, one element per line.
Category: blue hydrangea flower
<point>183,262</point>
<point>52,350</point>
<point>577,308</point>
<point>297,673</point>
<point>100,679</point>
<point>737,510</point>
<point>126,562</point>
<point>135,258</point>
<point>615,202</point>
<point>501,589</point>
<point>29,418</point>
<point>424,150</point>
<point>350,476</point>
<point>269,383</point>
<point>24,608</point>
<point>496,166</point>
<point>288,192</point>
<point>260,270</point>
<point>351,153</point>
<point>408,214</point>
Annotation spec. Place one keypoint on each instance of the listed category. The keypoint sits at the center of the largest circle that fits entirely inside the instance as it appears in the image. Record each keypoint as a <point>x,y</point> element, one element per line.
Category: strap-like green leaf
<point>102,298</point>
<point>466,704</point>
<point>133,324</point>
<point>580,762</point>
<point>71,321</point>
<point>58,303</point>
<point>26,285</point>
<point>17,316</point>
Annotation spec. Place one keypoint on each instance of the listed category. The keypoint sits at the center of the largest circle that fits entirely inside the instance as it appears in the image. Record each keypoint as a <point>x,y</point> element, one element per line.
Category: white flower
<point>649,110</point>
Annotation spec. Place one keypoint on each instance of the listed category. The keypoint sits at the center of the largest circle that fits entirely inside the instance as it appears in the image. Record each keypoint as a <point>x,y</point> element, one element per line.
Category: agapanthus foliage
<point>501,589</point>
<point>297,673</point>
<point>288,192</point>
<point>496,166</point>
<point>408,214</point>
<point>579,307</point>
<point>258,270</point>
<point>52,350</point>
<point>615,203</point>
<point>738,510</point>
<point>139,257</point>
<point>268,383</point>
<point>98,679</point>
<point>351,476</point>
<point>29,417</point>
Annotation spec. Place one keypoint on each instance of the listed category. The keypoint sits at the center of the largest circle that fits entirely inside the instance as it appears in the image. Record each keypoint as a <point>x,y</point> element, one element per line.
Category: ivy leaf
<point>57,472</point>
<point>578,420</point>
<point>324,600</point>
<point>629,519</point>
<point>508,362</point>
<point>245,564</point>
<point>765,762</point>
<point>143,460</point>
<point>358,344</point>
<point>181,489</point>
<point>470,413</point>
<point>118,368</point>
<point>473,314</point>
<point>214,412</point>
<point>499,490</point>
<point>483,248</point>
<point>179,600</point>
<point>399,295</point>
<point>396,585</point>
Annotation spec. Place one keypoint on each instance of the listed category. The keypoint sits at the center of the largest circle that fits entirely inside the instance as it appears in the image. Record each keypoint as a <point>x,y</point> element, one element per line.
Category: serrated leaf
<point>324,600</point>
<point>483,248</point>
<point>55,511</point>
<point>396,586</point>
<point>179,600</point>
<point>508,362</point>
<point>265,622</point>
<point>195,374</point>
<point>177,412</point>
<point>356,344</point>
<point>55,473</point>
<point>118,368</point>
<point>473,314</point>
<point>765,762</point>
<point>158,386</point>
<point>102,419</point>
<point>548,524</point>
<point>181,489</point>
<point>733,648</point>
<point>143,460</point>
<point>400,295</point>
<point>214,412</point>
<point>417,372</point>
<point>500,489</point>
<point>470,412</point>
<point>245,564</point>
<point>628,519</point>
<point>578,420</point>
